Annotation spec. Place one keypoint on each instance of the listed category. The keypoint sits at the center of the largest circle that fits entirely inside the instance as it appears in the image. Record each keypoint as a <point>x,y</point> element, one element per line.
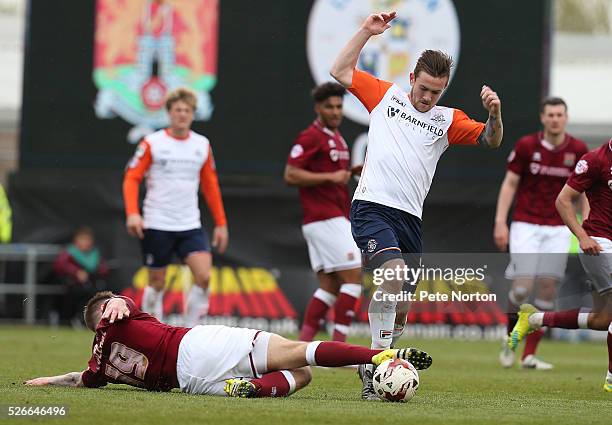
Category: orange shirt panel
<point>209,186</point>
<point>135,172</point>
<point>368,89</point>
<point>464,130</point>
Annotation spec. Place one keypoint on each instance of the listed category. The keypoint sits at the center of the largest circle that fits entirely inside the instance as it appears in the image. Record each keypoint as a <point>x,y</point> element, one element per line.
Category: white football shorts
<point>538,250</point>
<point>210,354</point>
<point>331,246</point>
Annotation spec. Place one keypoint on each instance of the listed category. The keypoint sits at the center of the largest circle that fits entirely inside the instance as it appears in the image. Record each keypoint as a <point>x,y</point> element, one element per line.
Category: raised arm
<point>345,63</point>
<point>70,379</point>
<point>494,130</point>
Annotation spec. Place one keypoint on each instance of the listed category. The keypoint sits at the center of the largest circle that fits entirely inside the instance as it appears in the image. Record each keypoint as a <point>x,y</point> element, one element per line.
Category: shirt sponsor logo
<point>296,151</point>
<point>335,155</point>
<point>581,167</point>
<point>397,113</point>
<point>546,170</point>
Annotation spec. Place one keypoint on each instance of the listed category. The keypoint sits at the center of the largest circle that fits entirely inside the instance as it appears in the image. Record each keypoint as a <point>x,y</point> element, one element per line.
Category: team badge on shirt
<point>438,118</point>
<point>296,151</point>
<point>569,158</point>
<point>581,167</point>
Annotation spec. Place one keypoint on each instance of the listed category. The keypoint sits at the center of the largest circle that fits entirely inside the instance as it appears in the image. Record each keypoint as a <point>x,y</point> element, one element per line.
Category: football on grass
<point>396,380</point>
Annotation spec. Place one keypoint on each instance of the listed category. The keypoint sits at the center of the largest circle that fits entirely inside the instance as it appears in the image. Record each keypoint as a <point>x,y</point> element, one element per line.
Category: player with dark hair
<point>407,136</point>
<point>132,347</point>
<point>176,162</point>
<point>538,239</point>
<point>319,164</point>
<point>593,176</point>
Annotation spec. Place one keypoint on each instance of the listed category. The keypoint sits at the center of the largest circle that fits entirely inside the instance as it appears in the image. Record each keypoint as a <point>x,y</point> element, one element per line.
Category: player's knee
<point>518,295</point>
<point>600,320</point>
<point>202,279</point>
<point>157,279</point>
<point>302,377</point>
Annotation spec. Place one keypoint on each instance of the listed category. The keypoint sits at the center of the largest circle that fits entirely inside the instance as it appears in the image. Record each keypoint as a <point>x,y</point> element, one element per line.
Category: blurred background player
<point>408,134</point>
<point>538,167</point>
<point>319,165</point>
<point>592,175</point>
<point>175,161</point>
<point>132,347</point>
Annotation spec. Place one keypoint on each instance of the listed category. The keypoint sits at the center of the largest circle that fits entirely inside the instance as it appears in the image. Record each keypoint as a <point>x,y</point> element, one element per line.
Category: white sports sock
<point>197,305</point>
<point>535,320</point>
<point>381,315</point>
<point>609,377</point>
<point>398,330</point>
<point>152,302</point>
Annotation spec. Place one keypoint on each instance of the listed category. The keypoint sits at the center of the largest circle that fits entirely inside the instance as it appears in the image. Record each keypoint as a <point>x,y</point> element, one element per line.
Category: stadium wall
<point>71,160</point>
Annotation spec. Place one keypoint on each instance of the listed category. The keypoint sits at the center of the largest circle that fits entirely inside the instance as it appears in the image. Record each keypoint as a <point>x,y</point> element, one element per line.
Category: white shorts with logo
<point>331,246</point>
<point>538,250</point>
<point>210,354</point>
<point>599,267</point>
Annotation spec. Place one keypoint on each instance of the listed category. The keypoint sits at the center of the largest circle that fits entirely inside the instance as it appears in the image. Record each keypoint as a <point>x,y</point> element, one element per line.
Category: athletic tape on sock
<point>352,289</point>
<point>583,320</point>
<point>311,349</point>
<point>343,329</point>
<point>290,380</point>
<point>325,296</point>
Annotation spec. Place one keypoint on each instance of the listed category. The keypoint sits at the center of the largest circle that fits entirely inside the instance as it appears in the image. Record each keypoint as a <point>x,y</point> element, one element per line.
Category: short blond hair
<point>182,94</point>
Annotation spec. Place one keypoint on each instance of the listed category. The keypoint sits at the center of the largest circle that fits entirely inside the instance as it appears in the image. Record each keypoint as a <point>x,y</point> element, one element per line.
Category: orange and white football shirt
<point>174,169</point>
<point>404,145</point>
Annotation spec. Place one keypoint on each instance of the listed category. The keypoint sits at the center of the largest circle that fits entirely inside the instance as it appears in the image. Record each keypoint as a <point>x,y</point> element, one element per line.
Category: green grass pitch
<point>464,385</point>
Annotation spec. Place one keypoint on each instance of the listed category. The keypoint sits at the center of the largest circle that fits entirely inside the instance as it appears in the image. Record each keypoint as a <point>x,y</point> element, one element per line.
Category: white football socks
<point>152,302</point>
<point>381,315</point>
<point>197,305</point>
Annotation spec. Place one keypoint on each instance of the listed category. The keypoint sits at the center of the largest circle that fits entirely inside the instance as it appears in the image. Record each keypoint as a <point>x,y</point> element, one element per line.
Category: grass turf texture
<point>464,385</point>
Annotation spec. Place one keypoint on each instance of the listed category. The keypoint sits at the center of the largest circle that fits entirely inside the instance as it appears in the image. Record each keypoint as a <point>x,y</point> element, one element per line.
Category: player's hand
<point>82,276</point>
<point>38,382</point>
<point>116,309</point>
<point>220,239</point>
<point>356,170</point>
<point>490,100</point>
<point>339,177</point>
<point>590,246</point>
<point>135,225</point>
<point>378,23</point>
<point>500,236</point>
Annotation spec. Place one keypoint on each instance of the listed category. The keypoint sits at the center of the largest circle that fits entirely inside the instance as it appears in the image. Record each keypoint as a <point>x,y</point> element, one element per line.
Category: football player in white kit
<point>408,134</point>
<point>176,162</point>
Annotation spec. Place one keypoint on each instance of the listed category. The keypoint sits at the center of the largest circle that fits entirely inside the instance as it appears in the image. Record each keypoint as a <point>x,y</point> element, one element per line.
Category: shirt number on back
<point>124,363</point>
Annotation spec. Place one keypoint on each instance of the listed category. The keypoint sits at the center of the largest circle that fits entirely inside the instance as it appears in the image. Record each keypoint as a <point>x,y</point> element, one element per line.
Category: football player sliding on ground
<point>132,347</point>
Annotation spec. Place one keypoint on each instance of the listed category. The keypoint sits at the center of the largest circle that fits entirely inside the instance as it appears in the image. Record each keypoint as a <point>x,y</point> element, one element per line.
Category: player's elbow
<point>290,178</point>
<point>342,76</point>
<point>561,202</point>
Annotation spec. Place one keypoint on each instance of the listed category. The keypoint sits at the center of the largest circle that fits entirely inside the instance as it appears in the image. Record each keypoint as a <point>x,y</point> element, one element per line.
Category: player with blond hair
<point>175,162</point>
